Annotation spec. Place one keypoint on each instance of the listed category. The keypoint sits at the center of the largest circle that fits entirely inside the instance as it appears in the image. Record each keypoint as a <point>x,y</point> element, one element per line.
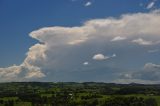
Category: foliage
<point>78,94</point>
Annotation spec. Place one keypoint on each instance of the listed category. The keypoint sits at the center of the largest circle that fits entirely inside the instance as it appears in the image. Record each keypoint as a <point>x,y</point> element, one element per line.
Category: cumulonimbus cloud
<point>55,40</point>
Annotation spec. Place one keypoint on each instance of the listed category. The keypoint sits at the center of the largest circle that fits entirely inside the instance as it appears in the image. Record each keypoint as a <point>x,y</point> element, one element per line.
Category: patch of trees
<point>129,101</point>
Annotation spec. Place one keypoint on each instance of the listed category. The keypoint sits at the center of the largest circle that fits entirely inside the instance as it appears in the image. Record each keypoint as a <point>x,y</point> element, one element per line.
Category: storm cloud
<point>61,51</point>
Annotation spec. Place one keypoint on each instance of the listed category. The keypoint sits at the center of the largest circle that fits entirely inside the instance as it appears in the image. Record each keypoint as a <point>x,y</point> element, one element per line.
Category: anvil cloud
<point>65,48</point>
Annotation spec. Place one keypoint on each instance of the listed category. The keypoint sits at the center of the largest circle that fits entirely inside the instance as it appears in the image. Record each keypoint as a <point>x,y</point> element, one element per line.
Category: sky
<point>80,40</point>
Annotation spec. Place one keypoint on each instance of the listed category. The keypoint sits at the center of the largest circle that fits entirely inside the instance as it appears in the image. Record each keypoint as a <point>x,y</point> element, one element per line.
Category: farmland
<point>78,94</point>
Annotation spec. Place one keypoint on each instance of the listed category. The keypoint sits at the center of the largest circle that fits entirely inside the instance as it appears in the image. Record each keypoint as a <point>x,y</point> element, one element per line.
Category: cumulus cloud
<point>141,41</point>
<point>150,73</point>
<point>100,57</point>
<point>118,38</point>
<point>9,73</point>
<point>20,73</point>
<point>88,4</point>
<point>151,66</point>
<point>86,63</point>
<point>62,47</point>
<point>29,69</point>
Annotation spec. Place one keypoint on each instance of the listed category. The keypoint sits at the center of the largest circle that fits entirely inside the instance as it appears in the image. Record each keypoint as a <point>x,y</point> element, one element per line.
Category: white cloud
<point>88,4</point>
<point>141,41</point>
<point>62,35</point>
<point>35,54</point>
<point>58,43</point>
<point>151,4</point>
<point>29,69</point>
<point>129,25</point>
<point>100,57</point>
<point>118,38</point>
<point>151,66</point>
<point>86,63</point>
<point>9,73</point>
<point>20,73</point>
<point>35,74</point>
<point>114,55</point>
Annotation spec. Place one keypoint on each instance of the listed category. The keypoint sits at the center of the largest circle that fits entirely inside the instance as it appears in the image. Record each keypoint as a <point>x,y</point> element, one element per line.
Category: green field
<point>78,94</point>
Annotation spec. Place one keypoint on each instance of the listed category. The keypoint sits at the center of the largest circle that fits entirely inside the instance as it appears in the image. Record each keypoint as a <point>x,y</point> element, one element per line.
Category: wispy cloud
<point>114,55</point>
<point>141,41</point>
<point>118,38</point>
<point>72,0</point>
<point>153,51</point>
<point>141,4</point>
<point>88,4</point>
<point>151,4</point>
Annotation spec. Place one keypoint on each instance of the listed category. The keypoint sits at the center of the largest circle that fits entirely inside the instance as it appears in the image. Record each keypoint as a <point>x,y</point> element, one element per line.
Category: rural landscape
<point>79,52</point>
<point>78,94</point>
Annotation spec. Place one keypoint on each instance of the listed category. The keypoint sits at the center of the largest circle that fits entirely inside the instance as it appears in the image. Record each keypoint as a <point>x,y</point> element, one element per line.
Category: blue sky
<point>19,18</point>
